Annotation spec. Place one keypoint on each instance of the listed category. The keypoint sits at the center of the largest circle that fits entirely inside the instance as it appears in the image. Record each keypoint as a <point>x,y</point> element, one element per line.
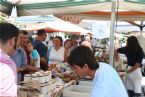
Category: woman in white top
<point>56,53</point>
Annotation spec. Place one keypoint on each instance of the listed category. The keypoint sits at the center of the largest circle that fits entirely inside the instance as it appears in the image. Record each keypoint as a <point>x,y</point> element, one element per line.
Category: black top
<point>132,58</point>
<point>42,50</point>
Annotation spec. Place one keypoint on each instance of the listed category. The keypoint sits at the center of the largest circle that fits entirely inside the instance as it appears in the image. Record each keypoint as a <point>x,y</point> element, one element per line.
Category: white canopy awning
<point>51,24</point>
<point>75,8</point>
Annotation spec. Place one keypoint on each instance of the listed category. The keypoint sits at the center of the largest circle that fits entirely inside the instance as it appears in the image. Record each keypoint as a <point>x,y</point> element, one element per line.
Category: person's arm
<point>138,60</point>
<point>31,68</point>
<point>21,69</point>
<point>116,55</point>
<point>43,60</point>
<point>43,52</point>
<point>35,63</point>
<point>122,50</point>
<point>24,61</point>
<point>137,65</point>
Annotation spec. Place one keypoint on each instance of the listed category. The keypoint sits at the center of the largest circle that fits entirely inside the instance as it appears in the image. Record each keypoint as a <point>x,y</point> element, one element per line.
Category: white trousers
<point>133,80</point>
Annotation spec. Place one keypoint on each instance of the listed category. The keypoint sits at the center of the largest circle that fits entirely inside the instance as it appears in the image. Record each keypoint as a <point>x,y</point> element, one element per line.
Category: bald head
<point>86,43</point>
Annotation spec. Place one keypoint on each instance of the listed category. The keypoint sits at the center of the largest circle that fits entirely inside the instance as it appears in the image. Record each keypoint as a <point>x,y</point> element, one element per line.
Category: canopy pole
<point>112,30</point>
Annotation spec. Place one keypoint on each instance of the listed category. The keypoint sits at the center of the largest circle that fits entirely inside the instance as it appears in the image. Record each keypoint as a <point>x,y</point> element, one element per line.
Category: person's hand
<point>31,68</point>
<point>18,69</point>
<point>28,67</point>
<point>130,70</point>
<point>52,66</point>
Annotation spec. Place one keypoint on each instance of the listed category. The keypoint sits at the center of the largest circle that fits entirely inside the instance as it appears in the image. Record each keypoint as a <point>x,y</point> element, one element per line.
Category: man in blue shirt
<point>21,60</point>
<point>41,48</point>
<point>19,56</point>
<point>107,82</point>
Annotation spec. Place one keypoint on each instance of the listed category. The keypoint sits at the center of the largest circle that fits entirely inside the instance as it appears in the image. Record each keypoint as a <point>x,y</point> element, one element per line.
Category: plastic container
<point>42,78</point>
<point>35,77</point>
<point>27,78</point>
<point>43,89</point>
<point>47,76</point>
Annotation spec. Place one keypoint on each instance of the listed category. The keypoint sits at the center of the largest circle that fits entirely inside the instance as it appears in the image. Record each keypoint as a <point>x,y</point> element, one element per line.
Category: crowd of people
<point>31,56</point>
<point>20,56</point>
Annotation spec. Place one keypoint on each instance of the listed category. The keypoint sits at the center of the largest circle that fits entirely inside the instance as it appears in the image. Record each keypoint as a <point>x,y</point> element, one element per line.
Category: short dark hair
<point>82,55</point>
<point>8,31</point>
<point>41,32</point>
<point>30,42</point>
<point>24,32</point>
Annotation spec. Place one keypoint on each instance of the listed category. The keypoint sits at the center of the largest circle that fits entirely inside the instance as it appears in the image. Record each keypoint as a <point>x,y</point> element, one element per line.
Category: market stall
<point>69,7</point>
<point>38,8</point>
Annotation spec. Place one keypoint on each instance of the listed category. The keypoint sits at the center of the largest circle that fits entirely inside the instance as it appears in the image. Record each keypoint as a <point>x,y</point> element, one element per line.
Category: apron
<point>133,80</point>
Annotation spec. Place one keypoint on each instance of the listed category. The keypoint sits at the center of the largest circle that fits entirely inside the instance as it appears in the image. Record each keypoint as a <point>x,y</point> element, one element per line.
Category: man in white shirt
<point>107,82</point>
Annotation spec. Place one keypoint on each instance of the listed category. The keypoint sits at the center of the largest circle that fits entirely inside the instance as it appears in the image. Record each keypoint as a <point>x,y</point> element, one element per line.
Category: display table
<point>51,89</point>
<point>49,83</point>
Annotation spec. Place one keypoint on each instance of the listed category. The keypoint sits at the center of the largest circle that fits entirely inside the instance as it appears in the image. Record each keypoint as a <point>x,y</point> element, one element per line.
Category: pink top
<point>8,77</point>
